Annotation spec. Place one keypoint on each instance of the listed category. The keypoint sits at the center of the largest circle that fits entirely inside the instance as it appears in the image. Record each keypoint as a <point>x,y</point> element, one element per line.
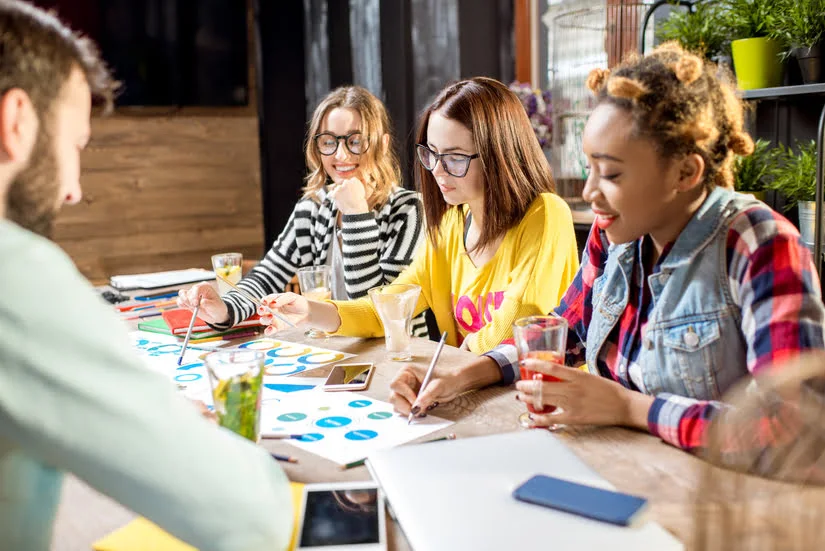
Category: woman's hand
<point>294,308</point>
<point>583,399</point>
<point>213,309</point>
<point>350,196</point>
<point>404,390</point>
<point>299,311</point>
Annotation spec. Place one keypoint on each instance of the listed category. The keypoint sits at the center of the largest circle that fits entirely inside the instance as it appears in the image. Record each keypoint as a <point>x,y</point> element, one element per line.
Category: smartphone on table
<point>580,499</point>
<point>342,515</point>
<point>349,377</point>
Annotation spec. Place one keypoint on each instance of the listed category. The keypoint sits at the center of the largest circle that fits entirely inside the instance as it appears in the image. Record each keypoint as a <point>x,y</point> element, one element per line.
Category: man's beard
<point>33,196</point>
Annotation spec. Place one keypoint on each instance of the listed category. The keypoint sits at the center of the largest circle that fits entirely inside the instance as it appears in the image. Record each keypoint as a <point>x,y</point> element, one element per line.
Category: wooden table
<point>635,462</point>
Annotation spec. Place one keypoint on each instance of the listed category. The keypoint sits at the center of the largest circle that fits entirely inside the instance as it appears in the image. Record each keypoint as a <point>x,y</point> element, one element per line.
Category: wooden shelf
<point>784,91</point>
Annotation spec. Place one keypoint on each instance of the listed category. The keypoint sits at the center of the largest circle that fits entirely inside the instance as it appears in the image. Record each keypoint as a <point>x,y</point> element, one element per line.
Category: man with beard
<point>71,396</point>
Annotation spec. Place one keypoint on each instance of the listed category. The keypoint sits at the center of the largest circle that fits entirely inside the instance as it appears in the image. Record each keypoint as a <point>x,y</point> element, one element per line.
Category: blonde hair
<point>774,428</point>
<point>379,162</point>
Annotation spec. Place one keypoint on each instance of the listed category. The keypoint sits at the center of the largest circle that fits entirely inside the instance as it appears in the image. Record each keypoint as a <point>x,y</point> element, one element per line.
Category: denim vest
<point>693,344</point>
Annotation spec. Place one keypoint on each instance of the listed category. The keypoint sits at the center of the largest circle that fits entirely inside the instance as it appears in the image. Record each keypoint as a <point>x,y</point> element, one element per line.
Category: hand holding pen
<point>409,394</point>
<point>212,308</point>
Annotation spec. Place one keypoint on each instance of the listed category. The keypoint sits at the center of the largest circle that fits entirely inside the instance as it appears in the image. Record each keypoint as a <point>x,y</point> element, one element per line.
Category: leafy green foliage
<point>799,23</point>
<point>753,172</point>
<point>795,174</point>
<point>698,31</point>
<point>746,18</point>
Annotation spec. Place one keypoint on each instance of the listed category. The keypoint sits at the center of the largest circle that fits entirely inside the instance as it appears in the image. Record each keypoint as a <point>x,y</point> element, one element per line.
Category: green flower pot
<point>757,63</point>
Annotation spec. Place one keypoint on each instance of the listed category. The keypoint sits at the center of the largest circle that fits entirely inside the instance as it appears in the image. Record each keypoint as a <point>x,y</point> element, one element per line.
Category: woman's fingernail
<point>517,398</point>
<point>432,406</point>
<point>435,404</point>
<point>415,410</point>
<point>421,415</point>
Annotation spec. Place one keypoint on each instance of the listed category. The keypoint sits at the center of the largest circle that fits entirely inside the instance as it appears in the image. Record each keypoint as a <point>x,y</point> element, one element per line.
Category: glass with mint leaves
<point>236,377</point>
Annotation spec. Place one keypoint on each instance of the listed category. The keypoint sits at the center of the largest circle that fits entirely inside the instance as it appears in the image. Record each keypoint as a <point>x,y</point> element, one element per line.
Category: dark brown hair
<point>38,53</point>
<point>683,104</point>
<point>514,168</point>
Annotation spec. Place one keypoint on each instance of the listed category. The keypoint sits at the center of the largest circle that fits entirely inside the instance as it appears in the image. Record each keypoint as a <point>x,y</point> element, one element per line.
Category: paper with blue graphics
<point>160,353</point>
<point>343,426</point>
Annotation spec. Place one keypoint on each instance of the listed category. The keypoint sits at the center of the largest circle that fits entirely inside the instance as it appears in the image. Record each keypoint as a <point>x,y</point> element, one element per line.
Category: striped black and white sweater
<point>375,246</point>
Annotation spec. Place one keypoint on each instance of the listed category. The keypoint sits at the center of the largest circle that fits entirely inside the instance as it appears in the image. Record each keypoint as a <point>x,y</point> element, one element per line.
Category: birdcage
<point>588,34</point>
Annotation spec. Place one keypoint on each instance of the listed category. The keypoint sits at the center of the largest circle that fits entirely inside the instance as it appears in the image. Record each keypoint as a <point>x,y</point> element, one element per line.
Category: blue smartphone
<point>579,499</point>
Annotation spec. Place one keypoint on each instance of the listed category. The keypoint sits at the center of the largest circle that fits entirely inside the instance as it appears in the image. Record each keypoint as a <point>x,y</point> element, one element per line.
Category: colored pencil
<point>142,305</point>
<point>143,316</point>
<point>189,333</point>
<point>280,436</point>
<point>429,373</point>
<point>249,297</point>
<point>360,462</point>
<point>286,458</point>
<point>156,296</point>
<point>156,305</point>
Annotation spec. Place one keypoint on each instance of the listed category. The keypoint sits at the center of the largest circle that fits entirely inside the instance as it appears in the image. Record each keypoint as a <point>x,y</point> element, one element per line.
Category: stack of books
<point>176,322</point>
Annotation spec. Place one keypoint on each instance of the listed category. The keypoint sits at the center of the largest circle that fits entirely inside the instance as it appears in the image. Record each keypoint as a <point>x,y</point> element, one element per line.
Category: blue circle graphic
<point>361,435</point>
<point>333,422</point>
<point>311,437</point>
<point>359,403</point>
<point>292,417</point>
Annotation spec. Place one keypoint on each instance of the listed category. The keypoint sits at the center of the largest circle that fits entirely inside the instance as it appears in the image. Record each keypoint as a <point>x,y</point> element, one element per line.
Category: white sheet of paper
<point>343,426</point>
<point>280,387</point>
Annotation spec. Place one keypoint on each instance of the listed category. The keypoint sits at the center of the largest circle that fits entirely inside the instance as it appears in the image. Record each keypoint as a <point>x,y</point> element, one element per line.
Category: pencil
<point>279,436</point>
<point>429,374</point>
<point>247,296</point>
<point>189,332</point>
<point>286,458</point>
<point>360,462</point>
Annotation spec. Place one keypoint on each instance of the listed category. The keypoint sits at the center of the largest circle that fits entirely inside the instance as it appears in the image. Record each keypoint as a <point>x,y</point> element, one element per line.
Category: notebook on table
<point>177,321</point>
<point>156,280</point>
<point>458,495</point>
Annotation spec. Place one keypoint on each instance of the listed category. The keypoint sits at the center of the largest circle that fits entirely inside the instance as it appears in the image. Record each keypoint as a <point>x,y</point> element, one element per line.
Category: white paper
<point>343,426</point>
<point>289,358</point>
<point>155,280</point>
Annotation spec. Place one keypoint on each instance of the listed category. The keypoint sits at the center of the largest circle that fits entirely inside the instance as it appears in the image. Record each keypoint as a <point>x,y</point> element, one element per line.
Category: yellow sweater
<point>528,275</point>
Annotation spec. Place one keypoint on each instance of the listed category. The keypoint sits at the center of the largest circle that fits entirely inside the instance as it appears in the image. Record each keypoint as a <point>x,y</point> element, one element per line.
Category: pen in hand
<point>430,369</point>
<point>250,298</point>
<point>189,332</point>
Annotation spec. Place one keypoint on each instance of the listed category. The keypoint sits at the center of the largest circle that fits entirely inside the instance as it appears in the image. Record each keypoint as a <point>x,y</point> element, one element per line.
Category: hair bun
<point>741,143</point>
<point>597,79</point>
<point>623,87</point>
<point>688,69</point>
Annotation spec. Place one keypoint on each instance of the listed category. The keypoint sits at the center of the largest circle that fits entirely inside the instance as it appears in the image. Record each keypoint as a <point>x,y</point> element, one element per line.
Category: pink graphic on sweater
<point>471,315</point>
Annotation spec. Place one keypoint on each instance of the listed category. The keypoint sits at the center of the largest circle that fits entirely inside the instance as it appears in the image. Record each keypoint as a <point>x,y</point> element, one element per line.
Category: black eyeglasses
<point>454,164</point>
<point>327,143</point>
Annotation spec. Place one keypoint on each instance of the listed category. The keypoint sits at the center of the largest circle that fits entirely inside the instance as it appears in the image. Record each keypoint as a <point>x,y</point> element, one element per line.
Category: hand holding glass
<point>539,338</point>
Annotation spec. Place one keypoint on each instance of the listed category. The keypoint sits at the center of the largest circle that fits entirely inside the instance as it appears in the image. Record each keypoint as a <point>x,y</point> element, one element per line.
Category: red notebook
<point>179,318</point>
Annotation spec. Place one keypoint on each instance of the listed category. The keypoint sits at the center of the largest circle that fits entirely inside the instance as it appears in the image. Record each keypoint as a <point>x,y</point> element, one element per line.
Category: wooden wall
<point>166,192</point>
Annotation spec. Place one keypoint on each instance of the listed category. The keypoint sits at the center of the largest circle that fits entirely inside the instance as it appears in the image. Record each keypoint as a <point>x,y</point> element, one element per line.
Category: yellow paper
<point>142,535</point>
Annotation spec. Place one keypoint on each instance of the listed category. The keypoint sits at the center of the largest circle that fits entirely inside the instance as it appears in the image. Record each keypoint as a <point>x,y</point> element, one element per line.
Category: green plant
<point>697,31</point>
<point>746,18</point>
<point>795,174</point>
<point>753,172</point>
<point>799,23</point>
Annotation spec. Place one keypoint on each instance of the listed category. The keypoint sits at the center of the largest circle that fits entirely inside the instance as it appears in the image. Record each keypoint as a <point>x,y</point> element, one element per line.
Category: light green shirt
<point>74,398</point>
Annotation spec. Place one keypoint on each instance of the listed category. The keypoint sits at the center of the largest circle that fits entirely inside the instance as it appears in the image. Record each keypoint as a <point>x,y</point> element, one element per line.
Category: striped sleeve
<point>773,280</point>
<point>291,250</point>
<point>377,246</point>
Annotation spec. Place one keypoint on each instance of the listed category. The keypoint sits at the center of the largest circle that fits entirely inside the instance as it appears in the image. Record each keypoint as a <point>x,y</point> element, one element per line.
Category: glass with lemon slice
<point>236,376</point>
<point>227,265</point>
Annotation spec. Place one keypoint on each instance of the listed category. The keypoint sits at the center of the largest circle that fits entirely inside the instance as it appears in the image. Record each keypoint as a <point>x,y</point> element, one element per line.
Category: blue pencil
<point>156,297</point>
<point>286,458</point>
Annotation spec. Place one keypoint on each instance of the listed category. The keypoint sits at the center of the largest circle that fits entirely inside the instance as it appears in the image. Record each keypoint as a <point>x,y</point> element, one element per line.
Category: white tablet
<point>342,515</point>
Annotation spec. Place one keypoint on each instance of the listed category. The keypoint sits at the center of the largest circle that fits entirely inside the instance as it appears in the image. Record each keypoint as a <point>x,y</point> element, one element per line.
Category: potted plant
<point>754,172</point>
<point>697,31</point>
<point>795,178</point>
<point>756,56</point>
<point>801,25</point>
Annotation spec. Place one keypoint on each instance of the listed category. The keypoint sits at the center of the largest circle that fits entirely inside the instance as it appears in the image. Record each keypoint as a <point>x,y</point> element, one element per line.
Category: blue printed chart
<point>160,353</point>
<point>342,426</point>
<point>289,358</point>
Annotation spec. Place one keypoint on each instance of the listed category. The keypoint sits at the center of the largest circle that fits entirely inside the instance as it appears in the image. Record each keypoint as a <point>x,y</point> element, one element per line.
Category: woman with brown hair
<point>354,216</point>
<point>500,243</point>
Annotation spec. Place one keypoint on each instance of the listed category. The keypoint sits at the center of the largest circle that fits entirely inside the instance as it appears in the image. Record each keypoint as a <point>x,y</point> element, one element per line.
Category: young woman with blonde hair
<point>500,243</point>
<point>354,216</point>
